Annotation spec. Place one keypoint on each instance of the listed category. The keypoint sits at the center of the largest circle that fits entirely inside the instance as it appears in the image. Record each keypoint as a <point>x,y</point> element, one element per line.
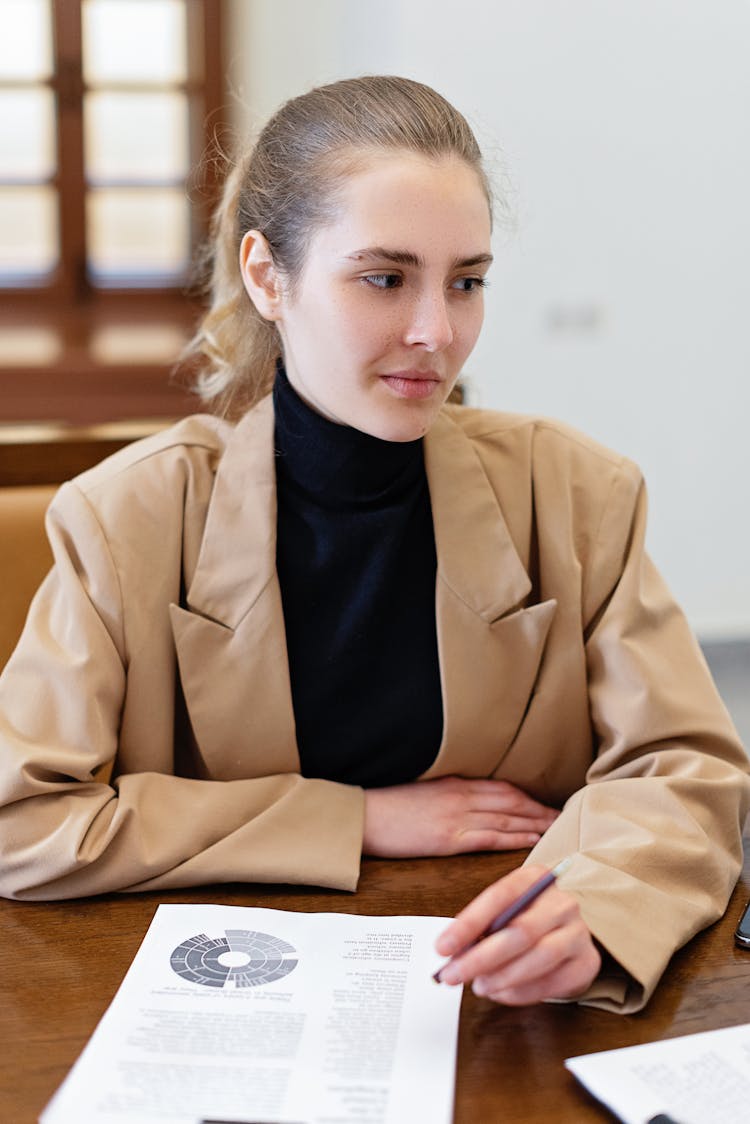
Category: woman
<point>343,618</point>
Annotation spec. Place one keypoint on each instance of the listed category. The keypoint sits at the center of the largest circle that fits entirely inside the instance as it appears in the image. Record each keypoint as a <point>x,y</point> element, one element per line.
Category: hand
<point>451,816</point>
<point>546,952</point>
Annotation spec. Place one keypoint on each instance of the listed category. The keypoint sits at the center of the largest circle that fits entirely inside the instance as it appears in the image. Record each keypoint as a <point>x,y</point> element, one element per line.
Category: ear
<point>260,276</point>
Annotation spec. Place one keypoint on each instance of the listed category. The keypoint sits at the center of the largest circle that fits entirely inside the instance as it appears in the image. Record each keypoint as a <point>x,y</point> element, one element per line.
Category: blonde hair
<point>285,187</point>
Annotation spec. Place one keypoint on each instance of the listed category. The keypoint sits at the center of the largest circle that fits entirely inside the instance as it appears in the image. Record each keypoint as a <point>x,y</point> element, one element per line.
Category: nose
<point>430,324</point>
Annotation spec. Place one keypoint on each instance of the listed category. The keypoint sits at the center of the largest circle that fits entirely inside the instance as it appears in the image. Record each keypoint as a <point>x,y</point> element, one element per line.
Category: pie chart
<point>239,958</point>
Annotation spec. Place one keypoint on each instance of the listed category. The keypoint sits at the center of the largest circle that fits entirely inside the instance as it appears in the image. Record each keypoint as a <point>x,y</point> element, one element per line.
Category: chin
<point>403,429</point>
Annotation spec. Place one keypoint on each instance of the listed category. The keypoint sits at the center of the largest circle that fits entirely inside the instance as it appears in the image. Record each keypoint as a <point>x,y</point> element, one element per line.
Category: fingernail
<point>450,974</point>
<point>479,987</point>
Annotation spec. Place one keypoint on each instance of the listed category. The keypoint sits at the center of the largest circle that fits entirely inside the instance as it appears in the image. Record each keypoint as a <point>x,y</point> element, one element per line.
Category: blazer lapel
<point>230,637</point>
<point>490,645</point>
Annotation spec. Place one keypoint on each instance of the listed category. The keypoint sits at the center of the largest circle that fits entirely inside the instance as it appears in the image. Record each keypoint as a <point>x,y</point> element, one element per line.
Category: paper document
<point>697,1079</point>
<point>236,1014</point>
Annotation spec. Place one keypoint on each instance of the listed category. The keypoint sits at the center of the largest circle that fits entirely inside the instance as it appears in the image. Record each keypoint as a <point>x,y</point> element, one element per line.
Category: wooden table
<point>62,963</point>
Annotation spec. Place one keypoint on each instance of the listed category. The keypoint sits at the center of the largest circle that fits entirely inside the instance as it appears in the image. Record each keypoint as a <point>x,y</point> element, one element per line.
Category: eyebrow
<point>406,257</point>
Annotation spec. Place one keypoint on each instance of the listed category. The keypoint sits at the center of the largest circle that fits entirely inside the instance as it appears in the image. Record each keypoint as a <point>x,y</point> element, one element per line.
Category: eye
<point>469,284</point>
<point>384,280</point>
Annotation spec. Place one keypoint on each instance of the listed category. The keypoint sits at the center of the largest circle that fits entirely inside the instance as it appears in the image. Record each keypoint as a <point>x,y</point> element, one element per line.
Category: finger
<point>565,982</point>
<point>548,932</point>
<point>489,839</point>
<point>474,918</point>
<point>502,796</point>
<point>559,963</point>
<point>522,953</point>
<point>487,959</point>
<point>566,979</point>
<point>504,821</point>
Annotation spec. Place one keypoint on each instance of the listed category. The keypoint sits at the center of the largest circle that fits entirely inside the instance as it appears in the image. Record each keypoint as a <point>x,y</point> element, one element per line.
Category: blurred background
<point>618,136</point>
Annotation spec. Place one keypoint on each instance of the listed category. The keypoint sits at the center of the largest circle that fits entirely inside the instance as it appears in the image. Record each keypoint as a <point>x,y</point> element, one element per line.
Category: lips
<point>412,384</point>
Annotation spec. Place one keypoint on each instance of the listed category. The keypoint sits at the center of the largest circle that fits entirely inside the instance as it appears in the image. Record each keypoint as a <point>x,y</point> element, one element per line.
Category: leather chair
<point>25,557</point>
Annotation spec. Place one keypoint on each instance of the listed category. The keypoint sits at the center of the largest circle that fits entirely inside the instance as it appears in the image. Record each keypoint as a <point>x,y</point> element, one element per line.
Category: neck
<point>334,463</point>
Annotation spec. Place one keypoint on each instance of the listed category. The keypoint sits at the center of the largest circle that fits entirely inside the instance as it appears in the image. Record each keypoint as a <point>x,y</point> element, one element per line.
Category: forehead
<point>409,202</point>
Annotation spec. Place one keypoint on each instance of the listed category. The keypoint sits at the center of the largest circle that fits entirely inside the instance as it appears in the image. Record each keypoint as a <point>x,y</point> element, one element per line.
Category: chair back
<point>25,557</point>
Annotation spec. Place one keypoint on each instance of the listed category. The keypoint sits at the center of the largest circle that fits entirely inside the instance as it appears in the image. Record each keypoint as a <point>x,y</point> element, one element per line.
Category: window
<point>29,228</point>
<point>106,107</point>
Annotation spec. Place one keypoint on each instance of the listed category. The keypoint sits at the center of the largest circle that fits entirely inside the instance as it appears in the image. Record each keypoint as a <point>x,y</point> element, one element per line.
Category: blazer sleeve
<point>71,826</point>
<point>656,829</point>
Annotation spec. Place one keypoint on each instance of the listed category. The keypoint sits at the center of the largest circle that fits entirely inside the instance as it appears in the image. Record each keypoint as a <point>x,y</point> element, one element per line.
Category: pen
<point>513,910</point>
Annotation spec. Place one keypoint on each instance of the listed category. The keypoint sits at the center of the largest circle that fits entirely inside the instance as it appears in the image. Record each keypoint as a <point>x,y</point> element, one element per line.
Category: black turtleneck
<point>356,561</point>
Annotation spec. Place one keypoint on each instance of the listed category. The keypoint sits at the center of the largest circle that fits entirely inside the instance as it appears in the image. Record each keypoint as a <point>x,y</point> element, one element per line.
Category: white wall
<point>621,301</point>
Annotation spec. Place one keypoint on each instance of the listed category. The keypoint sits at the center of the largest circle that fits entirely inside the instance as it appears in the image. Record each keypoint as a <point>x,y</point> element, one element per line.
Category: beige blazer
<point>147,733</point>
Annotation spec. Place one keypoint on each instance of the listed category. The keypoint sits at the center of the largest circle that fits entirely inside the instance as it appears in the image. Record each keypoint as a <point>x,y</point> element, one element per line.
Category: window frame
<point>76,387</point>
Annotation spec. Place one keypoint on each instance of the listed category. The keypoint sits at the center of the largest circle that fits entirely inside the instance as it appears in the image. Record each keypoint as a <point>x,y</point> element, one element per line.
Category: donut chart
<point>241,958</point>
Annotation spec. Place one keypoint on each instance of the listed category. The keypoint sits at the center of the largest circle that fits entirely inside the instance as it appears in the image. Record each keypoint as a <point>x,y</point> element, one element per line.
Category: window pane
<point>26,39</point>
<point>28,232</point>
<point>137,343</point>
<point>27,134</point>
<point>136,137</point>
<point>134,41</point>
<point>29,347</point>
<point>138,234</point>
